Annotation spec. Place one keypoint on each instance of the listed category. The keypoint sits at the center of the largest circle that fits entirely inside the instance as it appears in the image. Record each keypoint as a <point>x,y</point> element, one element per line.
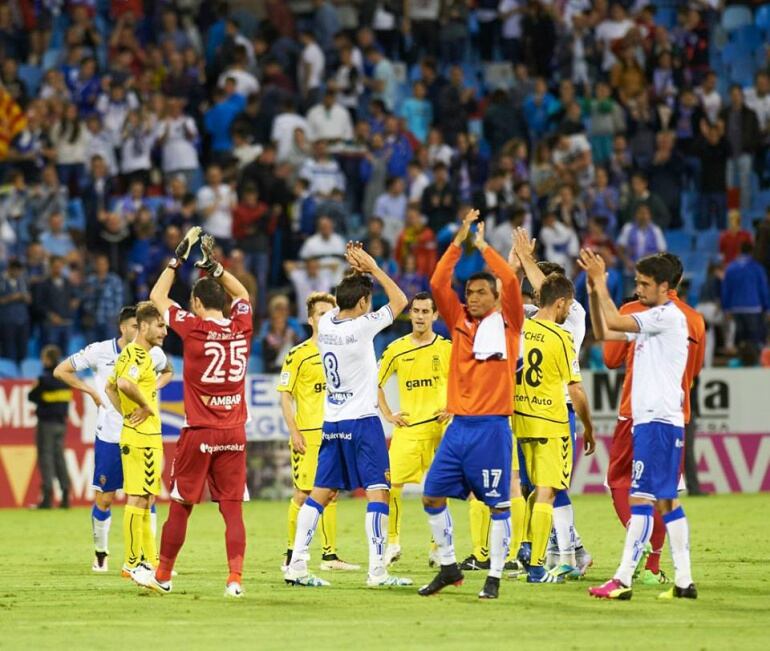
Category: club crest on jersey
<point>243,308</point>
<point>228,402</point>
<point>285,378</point>
<point>436,363</point>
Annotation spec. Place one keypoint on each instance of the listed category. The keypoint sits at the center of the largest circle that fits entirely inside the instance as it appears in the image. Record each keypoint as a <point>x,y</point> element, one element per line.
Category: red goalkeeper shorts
<point>214,455</point>
<point>621,455</point>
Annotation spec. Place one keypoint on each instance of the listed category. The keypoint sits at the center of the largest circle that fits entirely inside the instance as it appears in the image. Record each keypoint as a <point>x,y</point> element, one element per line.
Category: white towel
<point>489,342</point>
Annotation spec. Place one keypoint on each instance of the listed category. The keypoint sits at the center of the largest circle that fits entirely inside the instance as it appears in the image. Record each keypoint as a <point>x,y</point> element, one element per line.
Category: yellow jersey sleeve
<point>288,378</point>
<point>572,370</point>
<point>388,362</point>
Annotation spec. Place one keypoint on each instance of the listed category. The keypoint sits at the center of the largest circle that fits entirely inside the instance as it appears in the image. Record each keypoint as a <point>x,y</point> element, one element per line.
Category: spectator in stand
<point>604,200</point>
<point>745,297</point>
<point>103,296</point>
<point>311,68</point>
<point>322,172</point>
<point>56,240</point>
<point>733,238</point>
<point>421,22</point>
<point>607,120</point>
<point>501,236</point>
<point>666,174</point>
<point>327,246</point>
<point>712,148</point>
<point>59,298</point>
<point>417,181</point>
<point>440,199</point>
<point>757,98</point>
<point>374,231</point>
<point>418,241</point>
<point>52,398</point>
<point>743,137</point>
<point>418,112</point>
<point>329,120</point>
<point>68,137</point>
<point>245,83</point>
<point>560,242</point>
<point>609,31</point>
<point>308,277</point>
<point>438,150</point>
<point>382,83</point>
<point>137,141</point>
<point>391,208</point>
<point>236,265</point>
<point>15,299</point>
<point>100,143</point>
<point>640,194</point>
<point>253,227</point>
<point>228,104</point>
<point>762,250</point>
<point>410,279</point>
<point>279,334</point>
<point>709,96</point>
<point>216,200</point>
<point>49,197</point>
<point>640,238</point>
<point>569,209</point>
<point>178,136</point>
<point>397,148</point>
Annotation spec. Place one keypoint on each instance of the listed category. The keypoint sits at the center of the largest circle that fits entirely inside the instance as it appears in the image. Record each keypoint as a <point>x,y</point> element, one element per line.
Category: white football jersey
<point>575,325</point>
<point>660,358</point>
<point>350,365</point>
<point>100,357</point>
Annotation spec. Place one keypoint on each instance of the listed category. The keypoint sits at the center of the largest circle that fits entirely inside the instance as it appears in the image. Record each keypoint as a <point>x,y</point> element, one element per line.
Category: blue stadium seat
<point>666,17</point>
<point>256,365</point>
<point>679,241</point>
<point>8,369</point>
<point>736,17</point>
<point>247,22</point>
<point>748,38</point>
<point>31,367</point>
<point>31,76</point>
<point>762,19</point>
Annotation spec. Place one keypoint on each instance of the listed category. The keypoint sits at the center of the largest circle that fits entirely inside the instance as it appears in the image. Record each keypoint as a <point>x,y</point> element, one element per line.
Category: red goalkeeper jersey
<point>216,355</point>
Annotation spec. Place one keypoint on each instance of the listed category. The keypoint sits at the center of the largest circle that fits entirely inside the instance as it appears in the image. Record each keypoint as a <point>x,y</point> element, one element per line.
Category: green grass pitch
<point>50,599</point>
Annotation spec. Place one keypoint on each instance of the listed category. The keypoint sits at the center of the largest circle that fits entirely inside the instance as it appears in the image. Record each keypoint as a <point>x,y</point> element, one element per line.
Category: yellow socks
<point>133,534</point>
<point>518,514</point>
<point>149,545</point>
<point>394,520</point>
<point>541,522</point>
<point>480,520</point>
<point>528,517</point>
<point>292,519</point>
<point>328,525</point>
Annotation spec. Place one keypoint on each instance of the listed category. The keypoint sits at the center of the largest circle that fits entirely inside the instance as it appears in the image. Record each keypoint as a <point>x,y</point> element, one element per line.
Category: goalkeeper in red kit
<point>212,445</point>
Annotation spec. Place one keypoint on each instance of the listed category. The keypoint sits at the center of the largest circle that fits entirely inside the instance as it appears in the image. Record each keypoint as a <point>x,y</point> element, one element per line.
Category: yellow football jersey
<point>135,364</point>
<point>422,380</point>
<point>302,375</point>
<point>548,362</point>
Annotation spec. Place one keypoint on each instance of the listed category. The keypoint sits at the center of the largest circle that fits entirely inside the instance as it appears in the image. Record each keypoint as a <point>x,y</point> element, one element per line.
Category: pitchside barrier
<point>732,447</point>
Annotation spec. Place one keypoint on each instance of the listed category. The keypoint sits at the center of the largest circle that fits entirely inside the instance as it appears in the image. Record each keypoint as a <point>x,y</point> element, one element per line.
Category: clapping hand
<point>360,260</point>
<point>594,266</point>
<point>470,217</point>
<point>523,246</point>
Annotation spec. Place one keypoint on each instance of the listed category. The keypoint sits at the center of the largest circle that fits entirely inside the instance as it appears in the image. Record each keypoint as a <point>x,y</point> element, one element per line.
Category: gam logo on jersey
<point>319,387</point>
<point>418,384</point>
<point>228,402</point>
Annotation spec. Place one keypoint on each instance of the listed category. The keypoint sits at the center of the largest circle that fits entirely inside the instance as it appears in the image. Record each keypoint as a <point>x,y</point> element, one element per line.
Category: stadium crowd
<point>626,127</point>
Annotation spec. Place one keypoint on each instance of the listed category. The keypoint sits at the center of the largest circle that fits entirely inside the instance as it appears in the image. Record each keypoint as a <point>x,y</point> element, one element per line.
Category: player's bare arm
<point>69,376</point>
<point>580,402</point>
<point>614,322</point>
<point>166,375</point>
<point>287,409</point>
<point>131,390</point>
<point>397,418</point>
<point>111,390</point>
<point>462,234</point>
<point>362,262</point>
<point>524,249</point>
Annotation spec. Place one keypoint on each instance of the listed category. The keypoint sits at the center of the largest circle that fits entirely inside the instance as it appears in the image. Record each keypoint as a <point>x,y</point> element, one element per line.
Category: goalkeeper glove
<point>209,263</point>
<point>184,248</point>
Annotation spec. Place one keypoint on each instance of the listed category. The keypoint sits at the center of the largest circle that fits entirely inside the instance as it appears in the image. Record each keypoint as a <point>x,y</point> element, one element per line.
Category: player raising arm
<point>660,358</point>
<point>100,357</point>
<point>302,388</point>
<point>212,445</point>
<point>353,451</point>
<point>475,453</point>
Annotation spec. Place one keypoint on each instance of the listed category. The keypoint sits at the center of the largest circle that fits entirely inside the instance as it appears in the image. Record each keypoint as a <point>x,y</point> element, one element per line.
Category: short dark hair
<point>554,287</point>
<point>483,275</point>
<point>352,289</point>
<point>146,312</point>
<point>126,312</point>
<point>656,267</point>
<point>51,355</point>
<point>423,296</point>
<point>549,268</point>
<point>209,292</point>
<point>676,268</point>
<point>747,247</point>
